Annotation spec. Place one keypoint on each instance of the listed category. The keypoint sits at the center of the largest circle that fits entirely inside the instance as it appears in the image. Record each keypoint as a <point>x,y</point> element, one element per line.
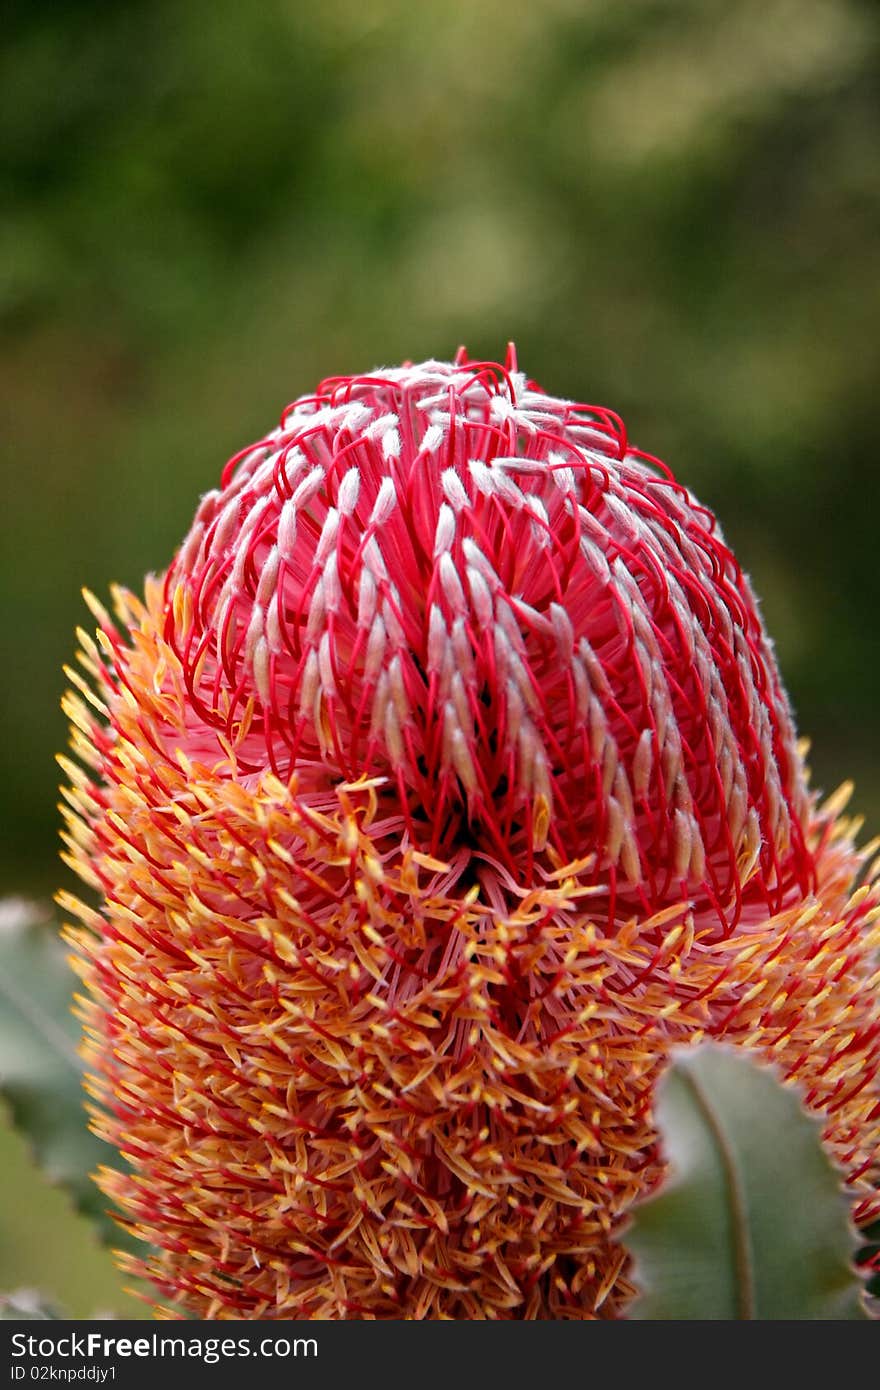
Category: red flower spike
<point>443,783</point>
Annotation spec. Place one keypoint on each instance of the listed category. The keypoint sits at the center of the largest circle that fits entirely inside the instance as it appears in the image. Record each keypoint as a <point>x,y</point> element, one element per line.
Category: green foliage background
<point>673,206</point>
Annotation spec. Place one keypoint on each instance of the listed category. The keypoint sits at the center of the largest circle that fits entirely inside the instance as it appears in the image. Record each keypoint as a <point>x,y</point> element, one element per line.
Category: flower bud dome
<point>440,576</point>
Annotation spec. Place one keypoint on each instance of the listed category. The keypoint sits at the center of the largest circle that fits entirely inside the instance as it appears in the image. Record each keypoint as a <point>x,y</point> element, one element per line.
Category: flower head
<point>443,783</point>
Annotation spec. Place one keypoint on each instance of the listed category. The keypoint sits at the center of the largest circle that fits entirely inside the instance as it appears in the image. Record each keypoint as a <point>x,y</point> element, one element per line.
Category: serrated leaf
<point>751,1220</point>
<point>27,1305</point>
<point>40,1069</point>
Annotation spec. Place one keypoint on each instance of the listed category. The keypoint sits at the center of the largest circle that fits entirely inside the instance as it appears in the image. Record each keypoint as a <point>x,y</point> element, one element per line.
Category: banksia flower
<point>441,785</point>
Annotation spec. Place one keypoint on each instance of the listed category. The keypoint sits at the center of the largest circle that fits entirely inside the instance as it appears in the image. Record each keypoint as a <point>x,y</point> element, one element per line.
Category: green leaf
<point>751,1220</point>
<point>40,1069</point>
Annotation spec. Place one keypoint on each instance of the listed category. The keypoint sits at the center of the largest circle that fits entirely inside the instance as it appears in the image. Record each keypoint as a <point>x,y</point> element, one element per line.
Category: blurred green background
<point>673,207</point>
